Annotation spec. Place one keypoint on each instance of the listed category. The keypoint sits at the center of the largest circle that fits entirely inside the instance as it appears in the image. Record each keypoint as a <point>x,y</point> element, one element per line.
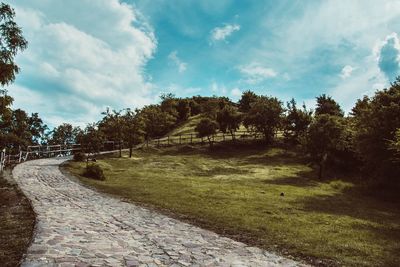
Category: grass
<point>17,221</point>
<point>237,192</point>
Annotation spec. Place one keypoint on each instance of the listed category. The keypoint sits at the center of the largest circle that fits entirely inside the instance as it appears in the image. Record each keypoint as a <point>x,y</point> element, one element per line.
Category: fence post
<point>180,139</point>
<point>191,139</point>
<point>168,139</point>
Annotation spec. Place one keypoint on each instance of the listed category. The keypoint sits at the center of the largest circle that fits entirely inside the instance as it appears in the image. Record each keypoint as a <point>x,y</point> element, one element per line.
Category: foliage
<point>112,126</point>
<point>211,108</point>
<point>133,129</point>
<point>94,171</point>
<point>64,134</point>
<point>79,156</point>
<point>156,122</point>
<point>169,104</point>
<point>229,120</point>
<point>195,108</point>
<point>376,121</point>
<point>325,135</point>
<point>11,41</point>
<point>395,146</point>
<point>296,122</point>
<point>265,117</point>
<point>206,128</point>
<point>17,128</point>
<point>327,105</point>
<point>91,139</point>
<point>247,99</point>
<point>183,109</point>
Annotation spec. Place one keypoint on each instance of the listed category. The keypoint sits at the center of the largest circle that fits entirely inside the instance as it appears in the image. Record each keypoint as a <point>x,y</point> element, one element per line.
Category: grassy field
<point>237,192</point>
<point>16,224</point>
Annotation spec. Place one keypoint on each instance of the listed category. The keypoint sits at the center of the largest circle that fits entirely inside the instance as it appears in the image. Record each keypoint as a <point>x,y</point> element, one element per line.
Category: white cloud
<point>221,33</point>
<point>255,72</point>
<point>387,54</point>
<point>346,71</point>
<point>218,89</point>
<point>173,57</point>
<point>83,56</point>
<point>236,93</point>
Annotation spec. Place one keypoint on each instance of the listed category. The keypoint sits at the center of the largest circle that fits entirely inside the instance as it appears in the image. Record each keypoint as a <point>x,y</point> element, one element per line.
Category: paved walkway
<point>77,226</point>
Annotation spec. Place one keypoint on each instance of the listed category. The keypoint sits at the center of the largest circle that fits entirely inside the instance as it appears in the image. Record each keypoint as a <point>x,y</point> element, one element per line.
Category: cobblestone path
<point>77,226</point>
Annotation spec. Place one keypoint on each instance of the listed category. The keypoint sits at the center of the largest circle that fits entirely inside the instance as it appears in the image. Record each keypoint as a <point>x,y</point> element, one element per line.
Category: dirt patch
<point>17,221</point>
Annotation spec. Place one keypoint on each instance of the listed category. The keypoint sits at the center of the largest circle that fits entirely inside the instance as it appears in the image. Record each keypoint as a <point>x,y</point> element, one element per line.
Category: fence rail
<point>194,139</point>
<point>46,151</point>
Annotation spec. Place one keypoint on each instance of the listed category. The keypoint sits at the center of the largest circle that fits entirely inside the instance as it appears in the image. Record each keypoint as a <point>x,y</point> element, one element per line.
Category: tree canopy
<point>11,42</point>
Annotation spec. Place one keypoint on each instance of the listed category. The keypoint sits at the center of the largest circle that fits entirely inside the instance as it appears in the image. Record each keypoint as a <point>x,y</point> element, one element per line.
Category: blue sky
<point>86,55</point>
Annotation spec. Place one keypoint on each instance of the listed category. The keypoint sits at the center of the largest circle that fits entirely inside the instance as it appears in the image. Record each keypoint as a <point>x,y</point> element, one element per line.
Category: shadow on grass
<point>223,171</point>
<point>351,202</point>
<point>301,180</point>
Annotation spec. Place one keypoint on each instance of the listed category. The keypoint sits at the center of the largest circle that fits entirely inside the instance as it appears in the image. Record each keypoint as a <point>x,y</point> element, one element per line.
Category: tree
<point>296,122</point>
<point>265,116</point>
<point>325,136</point>
<point>112,126</point>
<point>133,130</point>
<point>327,105</point>
<point>37,128</point>
<point>91,140</point>
<point>395,146</point>
<point>247,99</point>
<point>169,104</point>
<point>376,121</point>
<point>11,41</point>
<point>64,134</point>
<point>195,108</point>
<point>206,128</point>
<point>229,120</point>
<point>17,129</point>
<point>183,109</point>
<point>156,122</point>
<point>211,108</point>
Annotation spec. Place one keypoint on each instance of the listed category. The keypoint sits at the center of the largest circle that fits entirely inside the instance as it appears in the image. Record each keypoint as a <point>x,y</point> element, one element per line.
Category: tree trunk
<point>210,141</point>
<point>233,135</point>
<point>322,166</point>
<point>130,151</point>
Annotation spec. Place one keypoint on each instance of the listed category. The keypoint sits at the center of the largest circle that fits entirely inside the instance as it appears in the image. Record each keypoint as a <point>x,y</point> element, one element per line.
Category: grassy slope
<point>237,192</point>
<point>16,224</point>
<point>189,126</point>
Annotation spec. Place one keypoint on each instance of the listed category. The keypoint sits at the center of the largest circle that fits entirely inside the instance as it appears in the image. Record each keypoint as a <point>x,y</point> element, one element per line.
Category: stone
<point>77,226</point>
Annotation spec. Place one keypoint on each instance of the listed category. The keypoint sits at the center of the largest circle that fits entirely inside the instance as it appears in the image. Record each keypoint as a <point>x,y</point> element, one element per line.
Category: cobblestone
<point>77,226</point>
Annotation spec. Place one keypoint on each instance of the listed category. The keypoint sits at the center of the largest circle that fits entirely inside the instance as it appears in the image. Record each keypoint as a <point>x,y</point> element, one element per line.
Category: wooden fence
<point>47,151</point>
<point>192,138</point>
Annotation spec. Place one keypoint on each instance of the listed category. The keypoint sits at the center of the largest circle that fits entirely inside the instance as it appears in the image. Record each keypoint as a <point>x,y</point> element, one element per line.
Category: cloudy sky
<point>86,55</point>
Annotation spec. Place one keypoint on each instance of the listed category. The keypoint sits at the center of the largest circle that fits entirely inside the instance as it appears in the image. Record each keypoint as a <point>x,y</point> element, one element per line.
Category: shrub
<point>94,171</point>
<point>79,156</point>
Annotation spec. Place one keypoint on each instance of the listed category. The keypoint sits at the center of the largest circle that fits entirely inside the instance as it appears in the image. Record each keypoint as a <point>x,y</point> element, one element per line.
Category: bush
<point>79,156</point>
<point>94,171</point>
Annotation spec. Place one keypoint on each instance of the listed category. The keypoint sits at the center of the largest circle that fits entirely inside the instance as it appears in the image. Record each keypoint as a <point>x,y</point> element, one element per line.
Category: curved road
<point>77,226</point>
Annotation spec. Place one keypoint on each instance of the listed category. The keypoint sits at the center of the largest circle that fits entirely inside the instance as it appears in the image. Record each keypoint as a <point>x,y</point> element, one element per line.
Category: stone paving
<point>77,226</point>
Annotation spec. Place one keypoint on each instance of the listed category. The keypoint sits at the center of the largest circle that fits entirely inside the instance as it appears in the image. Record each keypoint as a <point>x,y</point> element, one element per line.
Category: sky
<point>87,55</point>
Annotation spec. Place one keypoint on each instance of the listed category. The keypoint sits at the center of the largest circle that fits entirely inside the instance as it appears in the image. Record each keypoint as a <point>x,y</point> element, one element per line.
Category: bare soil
<point>17,221</point>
